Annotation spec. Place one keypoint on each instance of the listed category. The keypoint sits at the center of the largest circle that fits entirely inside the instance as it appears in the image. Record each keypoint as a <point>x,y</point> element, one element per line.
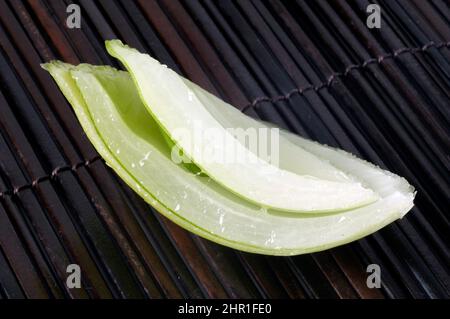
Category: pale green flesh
<point>165,95</point>
<point>198,203</point>
<point>328,163</point>
<point>289,153</point>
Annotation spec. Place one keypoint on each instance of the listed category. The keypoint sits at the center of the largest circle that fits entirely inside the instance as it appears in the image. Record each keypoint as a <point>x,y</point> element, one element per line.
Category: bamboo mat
<point>312,67</point>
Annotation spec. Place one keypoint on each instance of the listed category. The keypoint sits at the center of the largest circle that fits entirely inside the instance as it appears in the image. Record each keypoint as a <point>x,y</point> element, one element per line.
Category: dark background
<point>310,66</point>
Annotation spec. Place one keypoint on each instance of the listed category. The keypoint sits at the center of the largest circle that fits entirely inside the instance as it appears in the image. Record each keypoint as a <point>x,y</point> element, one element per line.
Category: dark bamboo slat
<point>180,236</point>
<point>258,281</point>
<point>118,202</point>
<point>9,288</point>
<point>192,293</point>
<point>273,71</point>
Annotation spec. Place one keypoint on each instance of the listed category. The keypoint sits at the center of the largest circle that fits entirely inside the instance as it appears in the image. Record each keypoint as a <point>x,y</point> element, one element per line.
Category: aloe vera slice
<point>114,119</point>
<point>165,95</point>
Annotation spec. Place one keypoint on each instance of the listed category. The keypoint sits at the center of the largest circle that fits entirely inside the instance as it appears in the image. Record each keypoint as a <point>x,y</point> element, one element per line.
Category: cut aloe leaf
<point>119,126</point>
<point>176,108</point>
